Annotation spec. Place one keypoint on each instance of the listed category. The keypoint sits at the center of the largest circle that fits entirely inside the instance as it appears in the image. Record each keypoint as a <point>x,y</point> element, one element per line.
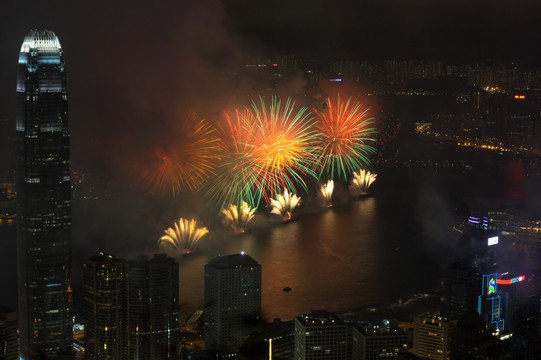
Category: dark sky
<point>133,65</point>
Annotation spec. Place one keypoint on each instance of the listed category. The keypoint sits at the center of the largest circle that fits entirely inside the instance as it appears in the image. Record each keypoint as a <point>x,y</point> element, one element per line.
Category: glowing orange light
<point>520,97</point>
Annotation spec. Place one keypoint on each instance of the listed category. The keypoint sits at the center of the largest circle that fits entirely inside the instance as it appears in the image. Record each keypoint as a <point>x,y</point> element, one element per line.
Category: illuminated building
<point>378,342</point>
<point>432,337</point>
<point>9,345</point>
<point>320,335</point>
<point>152,308</point>
<point>232,302</point>
<point>43,198</point>
<point>104,334</point>
<point>489,303</point>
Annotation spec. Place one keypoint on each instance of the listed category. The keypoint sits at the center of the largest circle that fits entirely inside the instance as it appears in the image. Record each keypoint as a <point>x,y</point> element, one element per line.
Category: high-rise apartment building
<point>432,337</point>
<point>152,308</point>
<point>43,198</point>
<point>320,335</point>
<point>103,309</point>
<point>232,301</point>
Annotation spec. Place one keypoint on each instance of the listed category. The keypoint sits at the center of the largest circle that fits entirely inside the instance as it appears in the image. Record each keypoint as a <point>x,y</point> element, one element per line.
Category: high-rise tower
<point>152,308</point>
<point>43,198</point>
<point>232,301</point>
<point>104,308</point>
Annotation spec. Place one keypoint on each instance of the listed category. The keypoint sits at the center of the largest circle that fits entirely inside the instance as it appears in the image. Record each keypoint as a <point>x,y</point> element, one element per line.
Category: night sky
<point>133,66</point>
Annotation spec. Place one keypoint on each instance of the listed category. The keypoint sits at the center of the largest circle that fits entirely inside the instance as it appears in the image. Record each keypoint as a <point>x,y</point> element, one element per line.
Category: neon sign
<point>491,286</point>
<point>511,281</point>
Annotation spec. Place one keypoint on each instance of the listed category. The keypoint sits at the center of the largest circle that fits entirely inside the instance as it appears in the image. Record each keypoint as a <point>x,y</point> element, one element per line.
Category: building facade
<point>432,337</point>
<point>9,342</point>
<point>232,302</point>
<point>103,309</point>
<point>377,342</point>
<point>152,308</point>
<point>320,335</point>
<point>43,198</point>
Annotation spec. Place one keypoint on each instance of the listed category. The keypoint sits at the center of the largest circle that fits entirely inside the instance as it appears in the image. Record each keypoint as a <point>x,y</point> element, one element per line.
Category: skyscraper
<point>43,198</point>
<point>232,301</point>
<point>104,310</point>
<point>152,308</point>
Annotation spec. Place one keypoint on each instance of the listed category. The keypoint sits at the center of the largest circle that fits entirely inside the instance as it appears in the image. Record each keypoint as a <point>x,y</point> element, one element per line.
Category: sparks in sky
<point>236,218</point>
<point>284,205</point>
<point>184,163</point>
<point>326,192</point>
<point>183,236</point>
<point>265,147</point>
<point>362,181</point>
<point>344,138</point>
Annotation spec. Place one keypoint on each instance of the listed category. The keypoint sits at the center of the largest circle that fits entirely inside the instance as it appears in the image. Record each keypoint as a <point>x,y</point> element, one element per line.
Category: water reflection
<point>337,259</point>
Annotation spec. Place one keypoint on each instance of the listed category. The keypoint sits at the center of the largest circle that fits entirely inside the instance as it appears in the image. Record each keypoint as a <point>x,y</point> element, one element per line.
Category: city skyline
<point>137,70</point>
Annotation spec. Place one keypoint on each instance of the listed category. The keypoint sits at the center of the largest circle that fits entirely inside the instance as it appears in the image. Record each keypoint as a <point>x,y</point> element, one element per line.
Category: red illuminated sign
<point>510,281</point>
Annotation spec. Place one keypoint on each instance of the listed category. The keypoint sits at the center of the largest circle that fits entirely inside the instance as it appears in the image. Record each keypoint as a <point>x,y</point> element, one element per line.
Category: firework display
<point>327,190</point>
<point>342,142</point>
<point>183,236</point>
<point>264,149</point>
<point>284,205</point>
<point>184,163</point>
<point>236,218</point>
<point>362,180</point>
<point>263,153</point>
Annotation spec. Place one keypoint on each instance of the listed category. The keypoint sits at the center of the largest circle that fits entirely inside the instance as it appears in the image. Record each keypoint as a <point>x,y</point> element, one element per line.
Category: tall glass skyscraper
<point>43,198</point>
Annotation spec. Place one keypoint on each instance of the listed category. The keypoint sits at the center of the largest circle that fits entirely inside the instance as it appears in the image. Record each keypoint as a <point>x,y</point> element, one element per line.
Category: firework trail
<point>342,143</point>
<point>284,205</point>
<point>362,180</point>
<point>183,164</point>
<point>183,236</point>
<point>264,149</point>
<point>326,191</point>
<point>237,218</point>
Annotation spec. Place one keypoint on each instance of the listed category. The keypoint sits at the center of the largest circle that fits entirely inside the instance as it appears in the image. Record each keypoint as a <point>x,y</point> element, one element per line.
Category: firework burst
<point>343,138</point>
<point>183,236</point>
<point>265,148</point>
<point>284,205</point>
<point>362,181</point>
<point>326,191</point>
<point>236,218</point>
<point>184,163</point>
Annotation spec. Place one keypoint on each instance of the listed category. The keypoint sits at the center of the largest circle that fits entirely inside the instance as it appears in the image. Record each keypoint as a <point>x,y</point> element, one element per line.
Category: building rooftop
<point>232,261</point>
<point>320,317</point>
<point>40,40</point>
